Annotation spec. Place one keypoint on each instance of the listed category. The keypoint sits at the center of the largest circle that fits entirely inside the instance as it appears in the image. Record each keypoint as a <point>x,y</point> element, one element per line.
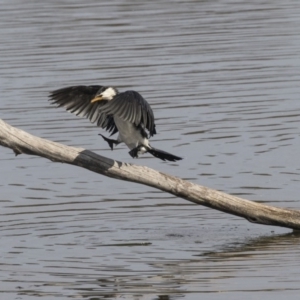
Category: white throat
<point>109,93</point>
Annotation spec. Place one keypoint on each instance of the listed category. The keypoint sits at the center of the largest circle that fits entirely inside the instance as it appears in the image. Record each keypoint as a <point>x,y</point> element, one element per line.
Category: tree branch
<point>22,142</point>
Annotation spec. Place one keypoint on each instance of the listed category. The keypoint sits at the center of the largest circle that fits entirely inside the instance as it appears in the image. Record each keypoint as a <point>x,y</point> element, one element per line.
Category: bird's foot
<point>110,142</point>
<point>134,152</point>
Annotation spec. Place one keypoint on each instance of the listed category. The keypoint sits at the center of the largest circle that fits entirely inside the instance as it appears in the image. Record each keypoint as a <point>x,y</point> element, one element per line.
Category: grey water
<point>223,79</point>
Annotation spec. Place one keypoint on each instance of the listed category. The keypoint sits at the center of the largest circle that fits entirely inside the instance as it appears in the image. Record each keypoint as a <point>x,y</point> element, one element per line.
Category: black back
<point>129,106</point>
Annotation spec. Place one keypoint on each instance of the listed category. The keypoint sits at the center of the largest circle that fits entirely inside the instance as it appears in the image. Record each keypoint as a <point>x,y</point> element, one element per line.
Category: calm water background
<point>223,80</point>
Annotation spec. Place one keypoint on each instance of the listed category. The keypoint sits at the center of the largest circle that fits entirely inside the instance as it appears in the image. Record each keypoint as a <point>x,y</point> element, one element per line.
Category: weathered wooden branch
<point>22,142</point>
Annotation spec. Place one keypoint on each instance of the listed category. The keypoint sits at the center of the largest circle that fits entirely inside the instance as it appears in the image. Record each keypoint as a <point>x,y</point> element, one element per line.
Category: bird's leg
<point>134,152</point>
<point>110,142</point>
<point>138,150</point>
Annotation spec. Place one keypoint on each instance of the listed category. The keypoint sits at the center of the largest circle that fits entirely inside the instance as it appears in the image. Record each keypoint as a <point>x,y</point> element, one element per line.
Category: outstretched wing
<point>77,100</point>
<point>132,107</point>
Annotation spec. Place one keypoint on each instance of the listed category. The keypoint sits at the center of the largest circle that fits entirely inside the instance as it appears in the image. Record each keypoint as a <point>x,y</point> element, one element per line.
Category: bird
<point>127,113</point>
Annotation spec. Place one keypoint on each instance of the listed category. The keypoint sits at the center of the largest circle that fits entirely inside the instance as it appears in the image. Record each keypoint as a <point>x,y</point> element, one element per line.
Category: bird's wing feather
<point>77,100</point>
<point>132,107</point>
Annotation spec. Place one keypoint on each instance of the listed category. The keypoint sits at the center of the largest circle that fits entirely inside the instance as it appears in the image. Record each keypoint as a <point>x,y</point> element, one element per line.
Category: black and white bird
<point>127,113</point>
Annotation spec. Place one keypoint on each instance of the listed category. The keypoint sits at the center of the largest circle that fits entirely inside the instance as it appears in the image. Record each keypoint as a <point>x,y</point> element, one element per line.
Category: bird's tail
<point>163,154</point>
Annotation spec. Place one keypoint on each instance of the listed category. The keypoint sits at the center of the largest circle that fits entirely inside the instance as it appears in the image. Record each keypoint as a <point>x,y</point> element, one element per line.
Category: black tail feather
<point>163,154</point>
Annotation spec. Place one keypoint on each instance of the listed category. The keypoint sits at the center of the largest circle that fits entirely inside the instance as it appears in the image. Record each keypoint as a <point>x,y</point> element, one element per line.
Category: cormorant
<point>127,113</point>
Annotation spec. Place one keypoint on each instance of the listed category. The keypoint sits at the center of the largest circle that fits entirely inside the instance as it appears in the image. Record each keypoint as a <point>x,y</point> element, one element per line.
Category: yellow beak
<point>97,98</point>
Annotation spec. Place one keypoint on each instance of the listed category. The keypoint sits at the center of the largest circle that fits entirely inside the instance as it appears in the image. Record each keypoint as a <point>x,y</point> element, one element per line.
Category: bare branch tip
<point>17,151</point>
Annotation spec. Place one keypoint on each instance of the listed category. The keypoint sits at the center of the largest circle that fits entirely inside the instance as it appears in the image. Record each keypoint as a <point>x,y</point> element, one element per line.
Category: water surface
<point>223,80</point>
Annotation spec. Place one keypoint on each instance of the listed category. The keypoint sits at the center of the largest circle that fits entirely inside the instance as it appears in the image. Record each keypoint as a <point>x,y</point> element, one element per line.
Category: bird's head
<point>105,93</point>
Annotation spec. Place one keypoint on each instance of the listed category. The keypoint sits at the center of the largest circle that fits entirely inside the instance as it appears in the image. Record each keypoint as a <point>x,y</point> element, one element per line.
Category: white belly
<point>129,134</point>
